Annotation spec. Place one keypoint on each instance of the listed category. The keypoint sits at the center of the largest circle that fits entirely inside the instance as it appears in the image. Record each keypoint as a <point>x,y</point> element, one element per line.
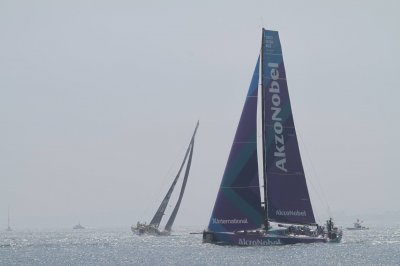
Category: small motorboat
<point>78,226</point>
<point>357,226</point>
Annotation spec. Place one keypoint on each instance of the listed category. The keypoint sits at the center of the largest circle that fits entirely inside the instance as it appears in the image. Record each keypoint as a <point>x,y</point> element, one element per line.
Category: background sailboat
<point>78,226</point>
<point>153,227</point>
<point>8,224</point>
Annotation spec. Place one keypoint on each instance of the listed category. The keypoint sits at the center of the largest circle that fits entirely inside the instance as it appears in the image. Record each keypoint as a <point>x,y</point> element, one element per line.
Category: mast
<point>263,133</point>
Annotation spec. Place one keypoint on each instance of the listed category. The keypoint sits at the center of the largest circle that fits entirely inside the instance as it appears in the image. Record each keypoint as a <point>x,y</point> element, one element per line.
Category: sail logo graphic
<point>268,41</point>
<point>291,213</point>
<point>230,221</point>
<point>259,242</point>
<point>279,153</point>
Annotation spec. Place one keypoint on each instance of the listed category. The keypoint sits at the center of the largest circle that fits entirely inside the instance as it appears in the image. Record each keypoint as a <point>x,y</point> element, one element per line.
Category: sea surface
<point>377,246</point>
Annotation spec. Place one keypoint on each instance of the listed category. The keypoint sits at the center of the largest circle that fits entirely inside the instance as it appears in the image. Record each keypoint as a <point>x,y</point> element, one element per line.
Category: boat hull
<point>149,230</point>
<point>258,239</point>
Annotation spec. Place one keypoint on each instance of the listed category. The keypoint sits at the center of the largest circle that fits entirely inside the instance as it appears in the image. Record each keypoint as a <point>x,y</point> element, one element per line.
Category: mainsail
<point>238,203</point>
<point>288,200</point>
<point>161,209</point>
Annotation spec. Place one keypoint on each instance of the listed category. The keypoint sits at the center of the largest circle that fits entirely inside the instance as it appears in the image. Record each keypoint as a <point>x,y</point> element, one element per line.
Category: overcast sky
<point>99,100</point>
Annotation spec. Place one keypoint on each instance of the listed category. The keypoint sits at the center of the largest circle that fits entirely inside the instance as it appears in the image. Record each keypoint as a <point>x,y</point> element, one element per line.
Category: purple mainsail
<point>238,203</point>
<point>288,200</point>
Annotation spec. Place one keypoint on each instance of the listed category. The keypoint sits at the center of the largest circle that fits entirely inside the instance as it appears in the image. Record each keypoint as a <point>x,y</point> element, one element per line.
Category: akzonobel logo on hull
<point>259,242</point>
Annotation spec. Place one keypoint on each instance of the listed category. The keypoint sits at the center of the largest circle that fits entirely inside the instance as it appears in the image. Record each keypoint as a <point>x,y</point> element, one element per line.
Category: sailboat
<point>285,216</point>
<point>8,225</point>
<point>153,227</point>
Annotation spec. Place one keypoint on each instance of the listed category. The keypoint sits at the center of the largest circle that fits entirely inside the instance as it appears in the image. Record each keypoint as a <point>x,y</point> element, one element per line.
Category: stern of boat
<point>208,237</point>
<point>335,236</point>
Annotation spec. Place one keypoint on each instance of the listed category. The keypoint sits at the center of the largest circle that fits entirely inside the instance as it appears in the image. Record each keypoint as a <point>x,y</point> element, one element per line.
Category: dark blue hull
<point>258,239</point>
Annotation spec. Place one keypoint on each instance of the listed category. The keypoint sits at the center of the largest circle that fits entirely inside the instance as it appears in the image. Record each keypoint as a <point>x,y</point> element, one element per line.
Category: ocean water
<point>377,246</point>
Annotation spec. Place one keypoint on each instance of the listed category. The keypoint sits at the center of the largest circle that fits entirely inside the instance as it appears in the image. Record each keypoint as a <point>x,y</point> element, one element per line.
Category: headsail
<point>288,199</point>
<point>238,203</point>
<point>161,209</point>
<point>171,219</point>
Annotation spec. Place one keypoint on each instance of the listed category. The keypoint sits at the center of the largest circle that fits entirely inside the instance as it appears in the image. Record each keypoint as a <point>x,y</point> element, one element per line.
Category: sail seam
<point>271,125</point>
<point>277,78</point>
<point>276,173</point>
<point>243,187</point>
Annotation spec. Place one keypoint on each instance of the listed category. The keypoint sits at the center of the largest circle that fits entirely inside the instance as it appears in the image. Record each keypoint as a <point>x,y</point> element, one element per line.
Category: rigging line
<point>324,200</point>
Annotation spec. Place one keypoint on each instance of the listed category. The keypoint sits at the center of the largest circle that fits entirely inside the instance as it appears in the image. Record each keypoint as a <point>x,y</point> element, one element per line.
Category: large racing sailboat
<point>285,216</point>
<point>153,227</point>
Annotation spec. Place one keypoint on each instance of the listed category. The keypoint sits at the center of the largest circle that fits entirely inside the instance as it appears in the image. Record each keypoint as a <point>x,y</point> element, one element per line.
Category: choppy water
<point>377,246</point>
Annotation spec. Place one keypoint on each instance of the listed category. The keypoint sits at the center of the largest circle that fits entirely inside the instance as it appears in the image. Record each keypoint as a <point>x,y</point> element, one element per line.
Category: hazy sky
<point>99,100</point>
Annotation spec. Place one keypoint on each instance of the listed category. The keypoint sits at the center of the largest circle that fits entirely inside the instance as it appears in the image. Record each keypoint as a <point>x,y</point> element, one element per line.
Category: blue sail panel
<point>238,203</point>
<point>288,199</point>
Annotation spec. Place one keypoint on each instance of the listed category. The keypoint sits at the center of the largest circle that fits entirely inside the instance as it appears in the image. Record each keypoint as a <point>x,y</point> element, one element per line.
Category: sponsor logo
<point>291,213</point>
<point>259,242</point>
<point>279,153</point>
<point>269,41</point>
<point>230,221</point>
